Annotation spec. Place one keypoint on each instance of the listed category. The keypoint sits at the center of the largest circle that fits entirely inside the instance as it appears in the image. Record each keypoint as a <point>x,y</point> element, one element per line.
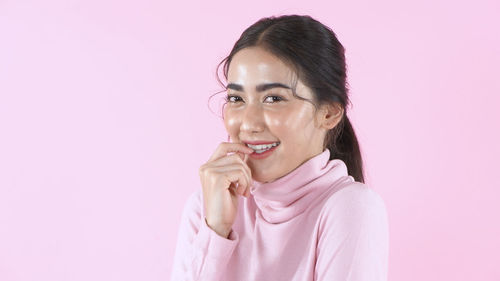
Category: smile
<point>262,151</point>
<point>260,148</point>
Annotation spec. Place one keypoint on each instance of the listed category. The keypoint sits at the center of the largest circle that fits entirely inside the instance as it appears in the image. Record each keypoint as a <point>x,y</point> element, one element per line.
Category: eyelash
<point>228,98</point>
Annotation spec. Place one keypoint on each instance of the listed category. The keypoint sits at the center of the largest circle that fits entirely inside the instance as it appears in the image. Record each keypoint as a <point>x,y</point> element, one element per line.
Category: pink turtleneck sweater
<point>315,223</point>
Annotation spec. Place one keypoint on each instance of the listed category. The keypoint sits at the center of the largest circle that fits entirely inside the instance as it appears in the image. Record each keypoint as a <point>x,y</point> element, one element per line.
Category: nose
<point>252,119</point>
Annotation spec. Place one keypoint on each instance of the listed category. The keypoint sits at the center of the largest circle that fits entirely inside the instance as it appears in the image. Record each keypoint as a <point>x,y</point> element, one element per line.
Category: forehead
<point>254,65</point>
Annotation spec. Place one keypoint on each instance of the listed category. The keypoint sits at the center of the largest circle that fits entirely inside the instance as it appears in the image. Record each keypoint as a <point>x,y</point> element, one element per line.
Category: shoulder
<point>354,204</point>
<point>355,195</point>
<point>353,235</point>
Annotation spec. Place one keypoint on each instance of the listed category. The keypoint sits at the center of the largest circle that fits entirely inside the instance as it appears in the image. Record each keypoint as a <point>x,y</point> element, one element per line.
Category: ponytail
<point>343,144</point>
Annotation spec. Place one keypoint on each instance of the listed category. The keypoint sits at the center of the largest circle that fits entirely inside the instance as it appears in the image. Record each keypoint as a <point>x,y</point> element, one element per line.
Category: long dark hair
<point>313,51</point>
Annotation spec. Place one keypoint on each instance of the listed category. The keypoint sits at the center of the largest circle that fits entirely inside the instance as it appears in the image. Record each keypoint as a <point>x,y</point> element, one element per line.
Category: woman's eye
<point>233,99</point>
<point>273,98</point>
<point>269,99</point>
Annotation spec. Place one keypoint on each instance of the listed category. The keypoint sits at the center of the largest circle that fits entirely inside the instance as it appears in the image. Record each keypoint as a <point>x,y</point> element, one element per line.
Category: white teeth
<point>262,147</point>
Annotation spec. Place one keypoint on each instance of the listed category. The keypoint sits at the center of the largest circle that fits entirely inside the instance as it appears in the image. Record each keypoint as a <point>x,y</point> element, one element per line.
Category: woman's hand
<point>223,177</point>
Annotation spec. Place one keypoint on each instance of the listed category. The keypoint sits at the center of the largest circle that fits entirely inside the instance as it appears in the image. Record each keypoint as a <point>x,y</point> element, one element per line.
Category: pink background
<point>104,124</point>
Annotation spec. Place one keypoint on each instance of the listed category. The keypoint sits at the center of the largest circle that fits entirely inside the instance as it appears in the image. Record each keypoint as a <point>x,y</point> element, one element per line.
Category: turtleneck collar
<point>290,195</point>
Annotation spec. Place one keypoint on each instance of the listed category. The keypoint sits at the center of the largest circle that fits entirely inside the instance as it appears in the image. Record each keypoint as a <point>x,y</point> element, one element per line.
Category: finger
<point>221,171</point>
<point>247,190</point>
<point>234,159</point>
<point>243,156</point>
<point>227,147</point>
<point>227,160</point>
<point>243,186</point>
<point>236,179</point>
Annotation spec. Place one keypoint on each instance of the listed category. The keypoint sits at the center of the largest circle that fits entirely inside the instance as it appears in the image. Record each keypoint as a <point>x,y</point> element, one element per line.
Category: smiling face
<point>272,114</point>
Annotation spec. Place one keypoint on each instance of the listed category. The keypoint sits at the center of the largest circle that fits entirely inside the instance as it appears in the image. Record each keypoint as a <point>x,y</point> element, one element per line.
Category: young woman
<point>286,198</point>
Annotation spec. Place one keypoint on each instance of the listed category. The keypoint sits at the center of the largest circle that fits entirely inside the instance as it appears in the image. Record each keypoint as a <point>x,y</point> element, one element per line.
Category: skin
<point>250,115</point>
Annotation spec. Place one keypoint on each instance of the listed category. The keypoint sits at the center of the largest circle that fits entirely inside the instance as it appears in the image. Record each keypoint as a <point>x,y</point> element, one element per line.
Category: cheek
<point>285,126</point>
<point>296,119</point>
<point>231,122</point>
<point>275,121</point>
<point>294,126</point>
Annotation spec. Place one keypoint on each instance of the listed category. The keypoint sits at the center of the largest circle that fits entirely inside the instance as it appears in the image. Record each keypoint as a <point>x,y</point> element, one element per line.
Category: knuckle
<point>233,157</point>
<point>202,170</point>
<point>205,171</point>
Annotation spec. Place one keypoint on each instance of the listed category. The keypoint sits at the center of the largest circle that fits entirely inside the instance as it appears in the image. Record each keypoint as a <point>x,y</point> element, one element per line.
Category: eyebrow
<point>259,88</point>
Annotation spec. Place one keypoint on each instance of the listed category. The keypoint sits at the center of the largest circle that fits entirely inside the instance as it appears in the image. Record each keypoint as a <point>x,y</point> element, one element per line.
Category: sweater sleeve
<point>201,253</point>
<point>353,242</point>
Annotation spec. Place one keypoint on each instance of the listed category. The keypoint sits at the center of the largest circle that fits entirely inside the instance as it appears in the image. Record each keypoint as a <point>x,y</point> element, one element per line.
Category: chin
<point>266,177</point>
<point>263,179</point>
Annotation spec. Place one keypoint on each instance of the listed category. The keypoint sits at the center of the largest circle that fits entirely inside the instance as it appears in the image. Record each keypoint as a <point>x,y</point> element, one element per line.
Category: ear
<point>330,115</point>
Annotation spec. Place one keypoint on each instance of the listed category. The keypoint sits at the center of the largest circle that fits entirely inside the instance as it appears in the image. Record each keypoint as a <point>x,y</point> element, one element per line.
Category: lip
<point>262,155</point>
<point>258,142</point>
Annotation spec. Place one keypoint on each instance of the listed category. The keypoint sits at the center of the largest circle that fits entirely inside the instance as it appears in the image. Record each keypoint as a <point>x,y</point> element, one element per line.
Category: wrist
<point>221,231</point>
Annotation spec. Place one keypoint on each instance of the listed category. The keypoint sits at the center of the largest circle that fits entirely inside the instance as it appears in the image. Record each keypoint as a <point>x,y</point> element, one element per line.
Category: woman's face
<point>256,113</point>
